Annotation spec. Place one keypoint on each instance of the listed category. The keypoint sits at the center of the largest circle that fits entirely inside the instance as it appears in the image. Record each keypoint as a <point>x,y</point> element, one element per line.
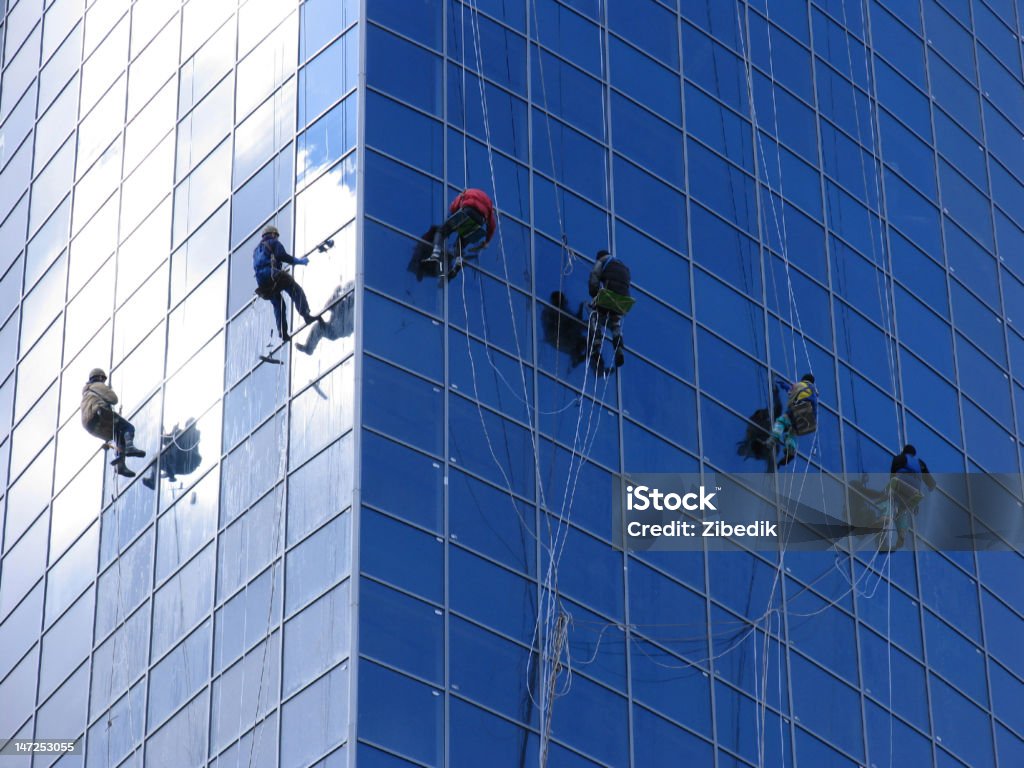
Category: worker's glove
<point>303,261</point>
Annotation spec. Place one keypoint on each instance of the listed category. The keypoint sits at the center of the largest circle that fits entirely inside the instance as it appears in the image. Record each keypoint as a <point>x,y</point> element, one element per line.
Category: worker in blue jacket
<point>272,279</point>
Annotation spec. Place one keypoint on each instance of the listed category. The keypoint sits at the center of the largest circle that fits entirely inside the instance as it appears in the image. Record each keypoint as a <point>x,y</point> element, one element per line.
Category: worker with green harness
<point>609,287</point>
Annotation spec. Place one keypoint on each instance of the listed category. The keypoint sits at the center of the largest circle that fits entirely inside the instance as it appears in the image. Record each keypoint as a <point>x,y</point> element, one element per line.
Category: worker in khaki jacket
<point>100,420</point>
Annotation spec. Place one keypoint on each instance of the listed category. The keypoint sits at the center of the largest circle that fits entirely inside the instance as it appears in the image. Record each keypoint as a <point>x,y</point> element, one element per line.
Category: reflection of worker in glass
<point>907,474</point>
<point>179,453</point>
<point>565,331</point>
<point>756,442</point>
<point>340,323</point>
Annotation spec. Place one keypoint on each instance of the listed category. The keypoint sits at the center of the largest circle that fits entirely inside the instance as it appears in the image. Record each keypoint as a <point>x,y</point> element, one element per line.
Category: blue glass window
<point>388,698</point>
<point>580,162</point>
<point>648,140</point>
<point>491,522</point>
<point>506,119</point>
<point>568,34</point>
<point>719,127</point>
<point>890,676</point>
<point>402,555</point>
<point>420,19</point>
<point>973,265</point>
<point>930,396</point>
<point>774,51</point>
<point>714,68</point>
<point>840,48</point>
<point>404,133</point>
<point>473,583</point>
<point>650,26</point>
<point>910,156</point>
<point>418,498</point>
<point>571,94</point>
<point>490,670</point>
<point>981,380</point>
<point>1002,137</point>
<point>417,81</point>
<point>328,76</point>
<point>717,19</point>
<point>927,335</point>
<point>959,724</point>
<point>645,79</point>
<point>956,659</point>
<point>403,336</point>
<point>401,631</point>
<point>477,737</point>
<point>950,39</point>
<point>401,196</point>
<point>980,323</point>
<point>491,446</point>
<point>963,150</point>
<point>722,187</point>
<point>826,705</point>
<point>726,251</point>
<point>1000,86</point>
<point>403,406</point>
<point>903,99</point>
<point>326,141</point>
<point>574,716</point>
<point>954,94</point>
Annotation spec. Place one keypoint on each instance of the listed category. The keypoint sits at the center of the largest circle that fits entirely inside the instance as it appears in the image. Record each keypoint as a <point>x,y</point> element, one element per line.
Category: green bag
<point>613,302</point>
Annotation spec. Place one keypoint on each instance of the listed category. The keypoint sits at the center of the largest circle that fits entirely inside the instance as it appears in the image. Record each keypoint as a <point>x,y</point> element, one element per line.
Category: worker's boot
<point>131,451</point>
<point>456,267</point>
<point>121,468</point>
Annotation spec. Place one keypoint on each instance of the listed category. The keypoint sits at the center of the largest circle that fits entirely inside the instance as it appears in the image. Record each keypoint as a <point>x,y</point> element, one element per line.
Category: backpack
<point>804,417</point>
<point>263,260</point>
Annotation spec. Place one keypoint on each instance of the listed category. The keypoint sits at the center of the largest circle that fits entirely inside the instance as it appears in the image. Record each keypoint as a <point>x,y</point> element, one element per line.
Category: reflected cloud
<point>325,204</point>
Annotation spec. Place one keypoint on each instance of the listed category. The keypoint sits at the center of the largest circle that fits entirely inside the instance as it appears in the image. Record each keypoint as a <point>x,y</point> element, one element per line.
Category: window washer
<point>799,418</point>
<point>100,420</point>
<point>471,217</point>
<point>609,285</point>
<point>272,279</point>
<point>907,474</point>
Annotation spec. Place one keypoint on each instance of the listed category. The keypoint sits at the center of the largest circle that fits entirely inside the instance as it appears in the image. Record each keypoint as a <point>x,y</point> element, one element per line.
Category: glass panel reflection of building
<point>347,558</point>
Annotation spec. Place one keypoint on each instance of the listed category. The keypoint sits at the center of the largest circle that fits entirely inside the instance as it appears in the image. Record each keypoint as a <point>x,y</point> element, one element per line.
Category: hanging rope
<point>123,631</point>
<point>257,738</point>
<point>547,614</point>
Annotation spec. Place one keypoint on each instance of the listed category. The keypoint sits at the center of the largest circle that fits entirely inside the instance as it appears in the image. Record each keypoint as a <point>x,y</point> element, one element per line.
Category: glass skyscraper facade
<point>395,547</point>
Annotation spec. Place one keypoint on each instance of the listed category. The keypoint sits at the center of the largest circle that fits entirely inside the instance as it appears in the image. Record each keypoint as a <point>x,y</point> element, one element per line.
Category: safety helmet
<point>808,377</point>
<point>97,374</point>
<point>910,450</point>
<point>270,231</point>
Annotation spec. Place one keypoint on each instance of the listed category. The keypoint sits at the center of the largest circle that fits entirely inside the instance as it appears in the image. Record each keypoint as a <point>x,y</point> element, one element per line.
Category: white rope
<point>548,608</point>
<point>120,609</point>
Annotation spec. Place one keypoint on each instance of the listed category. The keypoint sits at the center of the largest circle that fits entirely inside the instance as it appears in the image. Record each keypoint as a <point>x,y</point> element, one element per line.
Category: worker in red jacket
<point>472,219</point>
